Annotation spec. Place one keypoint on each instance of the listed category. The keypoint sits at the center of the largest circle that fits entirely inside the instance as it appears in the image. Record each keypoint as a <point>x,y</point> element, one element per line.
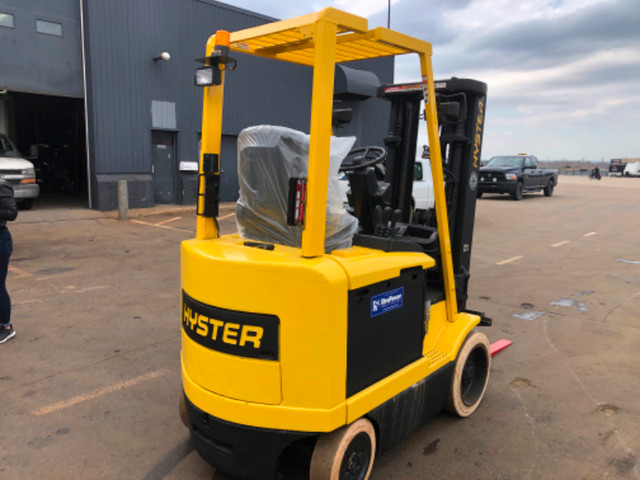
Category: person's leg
<point>6,248</point>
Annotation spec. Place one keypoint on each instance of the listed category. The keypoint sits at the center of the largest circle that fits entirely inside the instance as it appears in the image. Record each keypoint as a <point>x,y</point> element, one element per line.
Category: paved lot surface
<point>89,385</point>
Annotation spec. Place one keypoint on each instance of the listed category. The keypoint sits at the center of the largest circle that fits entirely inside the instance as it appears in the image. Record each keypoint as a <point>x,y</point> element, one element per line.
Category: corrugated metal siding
<point>121,39</point>
<point>37,63</point>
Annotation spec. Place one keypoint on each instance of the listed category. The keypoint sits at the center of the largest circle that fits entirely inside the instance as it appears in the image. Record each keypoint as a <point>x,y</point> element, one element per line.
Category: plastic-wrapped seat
<point>268,156</point>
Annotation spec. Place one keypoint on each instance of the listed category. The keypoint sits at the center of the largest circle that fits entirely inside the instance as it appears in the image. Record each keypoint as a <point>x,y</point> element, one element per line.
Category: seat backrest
<point>268,156</point>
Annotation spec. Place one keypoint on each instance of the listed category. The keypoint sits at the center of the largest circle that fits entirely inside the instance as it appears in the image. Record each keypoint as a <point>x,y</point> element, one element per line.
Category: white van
<point>423,198</point>
<point>632,170</point>
<point>19,173</point>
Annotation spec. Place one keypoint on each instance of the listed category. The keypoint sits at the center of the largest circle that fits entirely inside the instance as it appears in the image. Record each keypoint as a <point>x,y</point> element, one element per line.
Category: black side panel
<point>236,450</point>
<point>386,328</point>
<point>402,414</point>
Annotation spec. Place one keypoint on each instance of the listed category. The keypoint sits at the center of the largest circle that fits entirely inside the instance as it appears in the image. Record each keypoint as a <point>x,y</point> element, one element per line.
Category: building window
<point>49,28</point>
<point>6,20</point>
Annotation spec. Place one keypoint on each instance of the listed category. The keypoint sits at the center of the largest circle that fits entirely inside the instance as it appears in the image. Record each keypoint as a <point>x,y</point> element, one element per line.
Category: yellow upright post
<point>321,109</point>
<point>206,227</point>
<point>438,186</point>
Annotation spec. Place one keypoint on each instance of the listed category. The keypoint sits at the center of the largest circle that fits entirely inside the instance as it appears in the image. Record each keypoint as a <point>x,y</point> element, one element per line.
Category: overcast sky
<point>563,75</point>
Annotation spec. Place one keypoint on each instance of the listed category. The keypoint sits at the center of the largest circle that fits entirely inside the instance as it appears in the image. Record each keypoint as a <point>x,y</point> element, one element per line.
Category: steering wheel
<point>363,157</point>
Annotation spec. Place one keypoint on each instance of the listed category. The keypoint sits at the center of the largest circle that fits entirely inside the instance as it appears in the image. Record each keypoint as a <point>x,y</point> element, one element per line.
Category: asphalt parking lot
<point>90,384</point>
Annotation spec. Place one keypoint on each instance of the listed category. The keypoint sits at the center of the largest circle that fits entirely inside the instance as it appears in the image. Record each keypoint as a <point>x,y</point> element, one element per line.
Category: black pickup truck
<point>515,175</point>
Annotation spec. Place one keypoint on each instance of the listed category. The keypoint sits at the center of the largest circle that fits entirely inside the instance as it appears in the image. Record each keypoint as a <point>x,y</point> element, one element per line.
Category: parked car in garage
<point>19,172</point>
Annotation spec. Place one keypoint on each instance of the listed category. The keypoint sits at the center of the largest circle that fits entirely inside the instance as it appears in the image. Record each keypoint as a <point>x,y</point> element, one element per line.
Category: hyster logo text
<point>216,330</point>
<point>251,335</point>
<point>387,301</point>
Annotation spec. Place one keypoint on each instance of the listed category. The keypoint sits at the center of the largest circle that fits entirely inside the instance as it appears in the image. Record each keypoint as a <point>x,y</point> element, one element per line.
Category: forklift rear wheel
<point>182,409</point>
<point>346,453</point>
<point>470,376</point>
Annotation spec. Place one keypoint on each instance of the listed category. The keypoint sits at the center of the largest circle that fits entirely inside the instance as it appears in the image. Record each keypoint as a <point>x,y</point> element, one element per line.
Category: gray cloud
<point>542,43</point>
<point>422,19</point>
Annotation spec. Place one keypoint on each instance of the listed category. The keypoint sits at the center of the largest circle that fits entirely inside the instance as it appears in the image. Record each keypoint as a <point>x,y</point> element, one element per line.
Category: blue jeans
<point>6,248</point>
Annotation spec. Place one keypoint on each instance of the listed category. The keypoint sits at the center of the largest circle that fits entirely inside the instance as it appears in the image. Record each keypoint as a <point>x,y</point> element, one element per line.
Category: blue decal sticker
<point>387,301</point>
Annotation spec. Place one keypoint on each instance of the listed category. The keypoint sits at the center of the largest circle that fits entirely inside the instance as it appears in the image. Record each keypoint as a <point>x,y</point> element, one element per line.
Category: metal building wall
<point>38,63</point>
<point>127,91</point>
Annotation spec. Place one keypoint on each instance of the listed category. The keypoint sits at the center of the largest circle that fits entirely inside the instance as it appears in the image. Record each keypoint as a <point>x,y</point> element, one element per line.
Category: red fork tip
<point>499,346</point>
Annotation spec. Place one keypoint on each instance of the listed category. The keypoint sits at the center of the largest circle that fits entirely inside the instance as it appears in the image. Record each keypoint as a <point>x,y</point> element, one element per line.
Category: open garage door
<point>50,132</point>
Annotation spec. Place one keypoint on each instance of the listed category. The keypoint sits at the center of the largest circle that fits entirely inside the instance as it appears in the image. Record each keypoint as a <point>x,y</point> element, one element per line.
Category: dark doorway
<point>163,151</point>
<point>49,131</point>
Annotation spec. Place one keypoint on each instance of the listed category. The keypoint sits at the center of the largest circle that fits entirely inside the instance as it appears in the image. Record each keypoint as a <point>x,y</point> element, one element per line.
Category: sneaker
<point>6,334</point>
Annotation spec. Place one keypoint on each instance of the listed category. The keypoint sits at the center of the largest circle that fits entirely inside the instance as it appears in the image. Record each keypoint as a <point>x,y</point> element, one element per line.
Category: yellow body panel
<point>264,384</point>
<point>305,390</point>
<point>260,415</point>
<point>307,295</point>
<point>365,266</point>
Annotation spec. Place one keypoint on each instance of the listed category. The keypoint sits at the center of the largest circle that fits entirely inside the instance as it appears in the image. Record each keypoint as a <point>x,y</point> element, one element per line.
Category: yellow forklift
<point>314,334</point>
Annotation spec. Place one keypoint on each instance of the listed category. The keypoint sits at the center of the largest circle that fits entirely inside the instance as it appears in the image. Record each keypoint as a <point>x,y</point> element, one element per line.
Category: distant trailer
<point>617,166</point>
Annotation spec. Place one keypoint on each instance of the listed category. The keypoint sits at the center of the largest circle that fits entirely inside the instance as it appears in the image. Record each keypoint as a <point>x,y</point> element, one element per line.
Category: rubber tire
<point>182,410</point>
<point>329,451</point>
<point>478,345</point>
<point>517,195</point>
<point>25,204</point>
<point>548,190</point>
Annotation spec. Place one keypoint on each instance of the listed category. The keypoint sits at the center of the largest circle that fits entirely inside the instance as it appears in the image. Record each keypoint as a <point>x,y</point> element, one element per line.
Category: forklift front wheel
<point>470,375</point>
<point>346,453</point>
<point>182,409</point>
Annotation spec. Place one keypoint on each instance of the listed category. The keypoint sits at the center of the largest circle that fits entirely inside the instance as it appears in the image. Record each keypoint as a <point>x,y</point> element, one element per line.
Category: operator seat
<point>268,156</point>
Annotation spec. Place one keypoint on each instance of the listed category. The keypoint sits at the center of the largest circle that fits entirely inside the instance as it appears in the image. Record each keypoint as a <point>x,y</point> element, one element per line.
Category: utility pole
<point>388,13</point>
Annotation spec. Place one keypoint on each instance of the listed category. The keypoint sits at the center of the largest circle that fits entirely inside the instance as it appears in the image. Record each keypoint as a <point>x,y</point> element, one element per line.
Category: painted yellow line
<point>590,234</point>
<point>90,289</point>
<point>160,226</point>
<point>509,260</point>
<point>54,407</point>
<point>19,272</point>
<point>560,244</point>
<point>227,216</point>
<point>167,221</point>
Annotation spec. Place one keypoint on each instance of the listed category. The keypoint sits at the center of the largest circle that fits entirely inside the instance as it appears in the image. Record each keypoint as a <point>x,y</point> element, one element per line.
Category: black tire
<point>548,190</point>
<point>345,454</point>
<point>479,195</point>
<point>182,410</point>
<point>25,204</point>
<point>470,376</point>
<point>517,195</point>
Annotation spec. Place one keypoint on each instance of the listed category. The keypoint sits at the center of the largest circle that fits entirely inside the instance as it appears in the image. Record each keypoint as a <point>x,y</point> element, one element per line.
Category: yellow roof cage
<point>293,40</point>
